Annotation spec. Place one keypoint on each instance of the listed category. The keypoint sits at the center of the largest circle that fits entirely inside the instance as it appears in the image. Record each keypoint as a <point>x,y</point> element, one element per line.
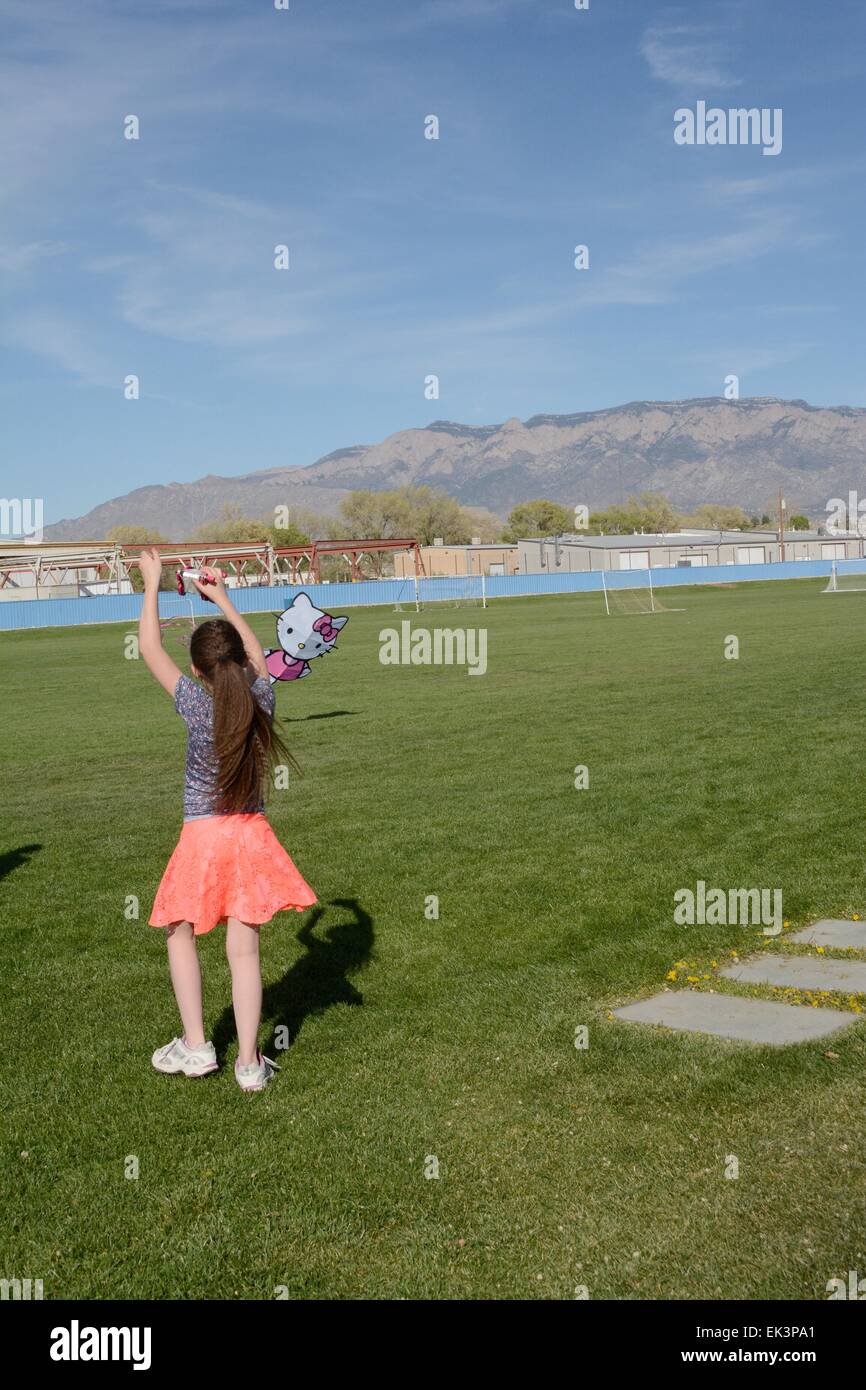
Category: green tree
<point>655,512</point>
<point>650,512</point>
<point>301,526</point>
<point>365,514</point>
<point>487,526</point>
<point>131,536</point>
<point>422,513</point>
<point>717,516</point>
<point>799,522</point>
<point>540,517</point>
<point>292,534</point>
<point>231,527</point>
<point>433,513</point>
<point>368,515</point>
<point>613,521</point>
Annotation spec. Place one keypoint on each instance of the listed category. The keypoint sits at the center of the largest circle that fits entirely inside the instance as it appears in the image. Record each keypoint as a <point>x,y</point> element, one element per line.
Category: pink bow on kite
<point>325,627</point>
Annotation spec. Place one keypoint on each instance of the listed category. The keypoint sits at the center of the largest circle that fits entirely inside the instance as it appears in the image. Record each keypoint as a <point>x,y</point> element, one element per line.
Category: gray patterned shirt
<point>195,707</point>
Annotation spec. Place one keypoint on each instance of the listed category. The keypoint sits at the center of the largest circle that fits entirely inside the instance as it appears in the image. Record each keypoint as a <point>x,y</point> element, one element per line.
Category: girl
<point>228,865</point>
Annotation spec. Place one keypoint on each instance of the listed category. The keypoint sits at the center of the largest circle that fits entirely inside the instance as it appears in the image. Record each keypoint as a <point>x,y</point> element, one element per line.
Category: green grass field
<point>454,1039</point>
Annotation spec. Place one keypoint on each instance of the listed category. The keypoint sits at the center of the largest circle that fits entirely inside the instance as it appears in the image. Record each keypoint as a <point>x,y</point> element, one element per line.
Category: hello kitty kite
<point>304,632</point>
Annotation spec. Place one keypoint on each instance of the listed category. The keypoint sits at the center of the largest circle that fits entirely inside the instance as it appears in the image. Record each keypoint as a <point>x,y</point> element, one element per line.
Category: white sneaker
<point>256,1076</point>
<point>192,1061</point>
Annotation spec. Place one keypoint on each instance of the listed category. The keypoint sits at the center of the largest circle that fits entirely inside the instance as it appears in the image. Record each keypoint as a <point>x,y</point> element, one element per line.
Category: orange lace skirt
<point>228,866</point>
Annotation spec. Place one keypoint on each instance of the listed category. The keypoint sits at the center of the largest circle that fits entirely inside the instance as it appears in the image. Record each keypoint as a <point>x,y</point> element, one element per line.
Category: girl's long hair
<point>244,737</point>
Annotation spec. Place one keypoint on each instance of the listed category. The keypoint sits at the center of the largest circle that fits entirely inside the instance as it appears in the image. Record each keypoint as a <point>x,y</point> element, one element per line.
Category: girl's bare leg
<point>185,972</point>
<point>242,950</point>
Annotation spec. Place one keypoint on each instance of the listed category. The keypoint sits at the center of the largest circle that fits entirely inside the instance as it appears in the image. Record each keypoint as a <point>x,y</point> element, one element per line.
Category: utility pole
<point>781,528</point>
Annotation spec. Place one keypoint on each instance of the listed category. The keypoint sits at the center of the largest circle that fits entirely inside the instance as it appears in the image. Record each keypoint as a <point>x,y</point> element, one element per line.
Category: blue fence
<point>125,608</point>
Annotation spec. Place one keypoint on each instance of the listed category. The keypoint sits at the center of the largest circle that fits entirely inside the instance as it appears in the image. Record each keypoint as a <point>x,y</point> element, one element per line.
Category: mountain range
<point>694,451</point>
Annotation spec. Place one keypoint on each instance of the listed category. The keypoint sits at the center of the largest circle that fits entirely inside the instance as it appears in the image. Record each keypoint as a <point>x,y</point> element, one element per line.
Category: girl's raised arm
<point>156,658</point>
<point>217,593</point>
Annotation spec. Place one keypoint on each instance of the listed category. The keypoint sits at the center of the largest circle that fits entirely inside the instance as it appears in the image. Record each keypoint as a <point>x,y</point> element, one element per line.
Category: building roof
<point>687,539</point>
<point>644,542</point>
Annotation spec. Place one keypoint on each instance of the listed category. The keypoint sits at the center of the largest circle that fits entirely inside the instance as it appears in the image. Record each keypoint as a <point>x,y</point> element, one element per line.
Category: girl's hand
<point>216,591</point>
<point>150,564</point>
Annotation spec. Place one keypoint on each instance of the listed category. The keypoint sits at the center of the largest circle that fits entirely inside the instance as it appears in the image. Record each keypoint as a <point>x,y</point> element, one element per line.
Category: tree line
<point>427,514</point>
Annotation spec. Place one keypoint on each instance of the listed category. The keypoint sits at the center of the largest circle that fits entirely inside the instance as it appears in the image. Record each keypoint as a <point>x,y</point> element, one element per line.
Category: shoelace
<point>268,1060</point>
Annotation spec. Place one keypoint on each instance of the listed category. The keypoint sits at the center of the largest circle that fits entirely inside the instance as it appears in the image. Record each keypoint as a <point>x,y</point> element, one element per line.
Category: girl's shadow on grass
<point>14,858</point>
<point>315,982</point>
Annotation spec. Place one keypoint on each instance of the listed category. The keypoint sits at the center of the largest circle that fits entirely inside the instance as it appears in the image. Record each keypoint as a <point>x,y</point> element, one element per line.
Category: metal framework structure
<point>251,563</point>
<point>54,565</point>
<point>354,551</point>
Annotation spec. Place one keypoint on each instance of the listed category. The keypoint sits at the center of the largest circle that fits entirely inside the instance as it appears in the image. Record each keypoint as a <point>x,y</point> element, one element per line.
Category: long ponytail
<point>244,738</point>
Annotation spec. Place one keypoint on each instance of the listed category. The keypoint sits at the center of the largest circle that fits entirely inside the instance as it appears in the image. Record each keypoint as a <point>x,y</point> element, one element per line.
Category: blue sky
<point>408,256</point>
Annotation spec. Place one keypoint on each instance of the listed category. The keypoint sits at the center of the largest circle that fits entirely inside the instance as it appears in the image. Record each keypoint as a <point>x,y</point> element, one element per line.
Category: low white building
<point>680,549</point>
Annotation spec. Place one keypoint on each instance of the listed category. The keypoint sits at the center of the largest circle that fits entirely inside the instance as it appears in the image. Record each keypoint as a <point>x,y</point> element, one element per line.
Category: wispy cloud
<point>15,259</point>
<point>743,358</point>
<point>657,273</point>
<point>787,181</point>
<point>688,55</point>
<point>660,273</point>
<point>205,272</point>
<point>60,340</point>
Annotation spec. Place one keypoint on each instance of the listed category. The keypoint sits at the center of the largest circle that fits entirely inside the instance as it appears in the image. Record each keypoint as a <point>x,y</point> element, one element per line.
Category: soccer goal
<point>406,594</point>
<point>631,591</point>
<point>452,591</point>
<point>844,580</point>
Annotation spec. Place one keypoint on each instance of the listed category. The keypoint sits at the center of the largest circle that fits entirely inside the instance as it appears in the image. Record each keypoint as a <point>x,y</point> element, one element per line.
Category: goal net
<point>844,579</point>
<point>631,591</point>
<point>405,594</point>
<point>453,591</point>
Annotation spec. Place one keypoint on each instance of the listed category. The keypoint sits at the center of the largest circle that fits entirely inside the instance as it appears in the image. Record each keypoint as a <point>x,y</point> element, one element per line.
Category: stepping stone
<point>801,972</point>
<point>833,931</point>
<point>729,1016</point>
